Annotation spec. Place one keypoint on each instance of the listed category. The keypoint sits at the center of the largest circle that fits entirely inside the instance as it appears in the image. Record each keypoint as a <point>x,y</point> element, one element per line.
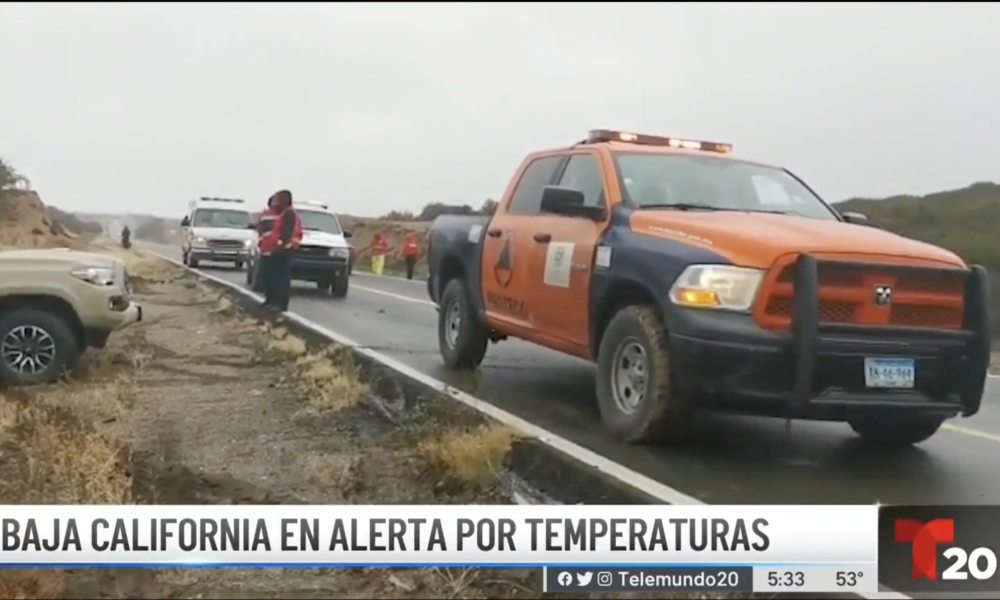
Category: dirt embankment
<point>26,223</point>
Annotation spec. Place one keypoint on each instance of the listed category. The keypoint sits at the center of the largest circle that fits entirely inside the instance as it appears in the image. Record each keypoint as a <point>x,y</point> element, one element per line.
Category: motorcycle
<point>126,241</point>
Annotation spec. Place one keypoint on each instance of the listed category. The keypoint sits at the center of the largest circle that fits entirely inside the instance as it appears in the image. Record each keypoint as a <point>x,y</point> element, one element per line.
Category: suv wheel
<point>462,338</point>
<point>635,392</point>
<point>895,430</point>
<point>36,346</point>
<point>250,274</point>
<point>340,286</point>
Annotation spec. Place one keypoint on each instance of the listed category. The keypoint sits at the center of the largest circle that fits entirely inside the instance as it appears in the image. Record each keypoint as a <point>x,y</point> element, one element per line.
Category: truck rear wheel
<point>895,430</point>
<point>462,338</point>
<point>635,393</point>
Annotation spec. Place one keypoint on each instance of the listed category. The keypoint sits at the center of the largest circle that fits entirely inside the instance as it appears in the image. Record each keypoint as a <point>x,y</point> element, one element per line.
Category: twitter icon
<point>583,579</point>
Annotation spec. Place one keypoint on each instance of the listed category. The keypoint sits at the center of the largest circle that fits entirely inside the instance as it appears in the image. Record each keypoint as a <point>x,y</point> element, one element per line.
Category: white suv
<point>216,229</point>
<point>324,256</point>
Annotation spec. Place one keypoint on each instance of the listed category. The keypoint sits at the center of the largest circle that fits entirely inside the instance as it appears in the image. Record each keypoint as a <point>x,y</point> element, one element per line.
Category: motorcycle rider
<point>126,236</point>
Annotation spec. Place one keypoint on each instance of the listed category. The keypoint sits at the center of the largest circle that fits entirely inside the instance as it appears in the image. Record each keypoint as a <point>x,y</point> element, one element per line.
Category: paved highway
<point>736,460</point>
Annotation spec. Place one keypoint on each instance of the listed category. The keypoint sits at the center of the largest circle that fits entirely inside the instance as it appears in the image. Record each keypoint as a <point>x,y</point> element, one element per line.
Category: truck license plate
<point>889,372</point>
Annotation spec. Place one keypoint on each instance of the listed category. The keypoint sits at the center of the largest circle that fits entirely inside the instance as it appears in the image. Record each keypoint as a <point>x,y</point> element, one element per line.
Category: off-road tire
<point>67,350</point>
<point>473,337</point>
<point>663,414</point>
<point>340,286</point>
<point>250,275</point>
<point>895,430</point>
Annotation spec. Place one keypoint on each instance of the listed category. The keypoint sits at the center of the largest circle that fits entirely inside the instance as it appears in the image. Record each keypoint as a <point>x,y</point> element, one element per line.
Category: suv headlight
<point>717,286</point>
<point>247,244</point>
<point>199,241</point>
<point>340,252</point>
<point>95,275</point>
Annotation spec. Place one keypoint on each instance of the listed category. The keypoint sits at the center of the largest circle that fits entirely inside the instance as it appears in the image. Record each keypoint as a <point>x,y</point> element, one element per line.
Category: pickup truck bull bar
<point>971,343</point>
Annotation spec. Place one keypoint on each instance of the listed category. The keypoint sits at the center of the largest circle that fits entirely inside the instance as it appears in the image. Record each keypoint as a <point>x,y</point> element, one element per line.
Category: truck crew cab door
<point>507,286</point>
<point>563,258</point>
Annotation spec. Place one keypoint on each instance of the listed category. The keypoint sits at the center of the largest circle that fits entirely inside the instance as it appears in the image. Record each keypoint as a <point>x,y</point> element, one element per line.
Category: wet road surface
<point>735,460</point>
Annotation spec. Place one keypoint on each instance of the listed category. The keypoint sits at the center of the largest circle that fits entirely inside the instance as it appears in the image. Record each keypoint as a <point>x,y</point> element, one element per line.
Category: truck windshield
<point>220,217</point>
<point>319,221</point>
<point>706,182</point>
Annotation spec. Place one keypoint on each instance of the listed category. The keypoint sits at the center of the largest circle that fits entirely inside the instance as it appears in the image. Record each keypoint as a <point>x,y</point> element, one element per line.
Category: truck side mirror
<point>348,235</point>
<point>855,218</point>
<point>570,202</point>
<point>252,226</point>
<point>185,222</point>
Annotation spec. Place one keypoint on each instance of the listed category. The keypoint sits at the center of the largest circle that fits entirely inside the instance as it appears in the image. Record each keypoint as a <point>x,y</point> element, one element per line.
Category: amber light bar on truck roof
<point>313,204</point>
<point>207,199</point>
<point>606,135</point>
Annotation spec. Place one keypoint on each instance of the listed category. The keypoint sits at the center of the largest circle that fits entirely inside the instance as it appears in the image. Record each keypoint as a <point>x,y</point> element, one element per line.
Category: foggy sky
<point>374,107</point>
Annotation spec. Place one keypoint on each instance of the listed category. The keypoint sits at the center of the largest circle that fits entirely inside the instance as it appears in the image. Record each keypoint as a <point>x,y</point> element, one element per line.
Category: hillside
<point>964,220</point>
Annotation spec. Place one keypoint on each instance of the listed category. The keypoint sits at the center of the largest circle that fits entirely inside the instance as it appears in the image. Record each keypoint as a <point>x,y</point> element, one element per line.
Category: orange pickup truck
<point>696,280</point>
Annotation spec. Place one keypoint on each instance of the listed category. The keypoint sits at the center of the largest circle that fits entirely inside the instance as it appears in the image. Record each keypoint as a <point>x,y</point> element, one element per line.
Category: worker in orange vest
<point>266,245</point>
<point>379,248</point>
<point>285,237</point>
<point>410,254</point>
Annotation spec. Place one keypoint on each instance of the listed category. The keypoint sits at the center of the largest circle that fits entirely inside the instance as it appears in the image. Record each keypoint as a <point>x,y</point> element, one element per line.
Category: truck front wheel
<point>635,393</point>
<point>462,338</point>
<point>895,430</point>
<point>36,346</point>
<point>340,286</point>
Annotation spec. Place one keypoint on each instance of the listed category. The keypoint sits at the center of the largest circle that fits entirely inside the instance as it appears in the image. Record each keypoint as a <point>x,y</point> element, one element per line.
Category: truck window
<point>527,197</point>
<point>726,184</point>
<point>213,217</point>
<point>313,220</point>
<point>584,174</point>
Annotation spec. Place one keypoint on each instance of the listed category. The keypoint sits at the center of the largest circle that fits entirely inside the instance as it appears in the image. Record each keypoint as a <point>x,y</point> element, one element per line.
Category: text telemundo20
<point>578,548</point>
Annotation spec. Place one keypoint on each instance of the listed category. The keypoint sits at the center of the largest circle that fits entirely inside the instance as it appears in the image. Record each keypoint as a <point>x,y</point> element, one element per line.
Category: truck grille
<point>225,244</point>
<point>314,250</point>
<point>921,297</point>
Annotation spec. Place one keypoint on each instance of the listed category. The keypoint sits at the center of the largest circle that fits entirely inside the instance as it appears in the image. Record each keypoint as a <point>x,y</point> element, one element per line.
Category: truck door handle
<point>494,232</point>
<point>543,238</point>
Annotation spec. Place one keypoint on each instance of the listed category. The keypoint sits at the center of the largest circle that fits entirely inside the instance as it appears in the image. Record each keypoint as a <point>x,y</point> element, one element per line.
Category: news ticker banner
<point>594,548</point>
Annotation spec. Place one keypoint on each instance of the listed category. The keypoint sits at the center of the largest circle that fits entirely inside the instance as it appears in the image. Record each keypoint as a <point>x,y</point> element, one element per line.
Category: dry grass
<point>327,378</point>
<point>472,456</point>
<point>67,444</point>
<point>139,264</point>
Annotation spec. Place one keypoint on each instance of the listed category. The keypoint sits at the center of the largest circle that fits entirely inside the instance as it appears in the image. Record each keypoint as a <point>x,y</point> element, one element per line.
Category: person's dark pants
<point>265,277</point>
<point>411,262</point>
<point>281,276</point>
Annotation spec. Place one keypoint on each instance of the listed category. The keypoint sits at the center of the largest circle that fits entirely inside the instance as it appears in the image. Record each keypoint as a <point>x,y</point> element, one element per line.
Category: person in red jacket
<point>411,251</point>
<point>285,238</point>
<point>266,245</point>
<point>379,248</point>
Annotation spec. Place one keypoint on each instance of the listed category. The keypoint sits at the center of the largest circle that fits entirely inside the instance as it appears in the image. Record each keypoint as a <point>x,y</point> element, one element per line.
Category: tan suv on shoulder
<point>54,304</point>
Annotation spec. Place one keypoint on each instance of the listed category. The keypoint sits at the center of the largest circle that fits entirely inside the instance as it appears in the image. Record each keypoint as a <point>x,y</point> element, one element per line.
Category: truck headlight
<point>717,286</point>
<point>247,244</point>
<point>199,241</point>
<point>95,275</point>
<point>339,252</point>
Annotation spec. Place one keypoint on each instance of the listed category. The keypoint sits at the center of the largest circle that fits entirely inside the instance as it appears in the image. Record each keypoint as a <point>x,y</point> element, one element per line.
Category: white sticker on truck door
<point>558,262</point>
<point>474,234</point>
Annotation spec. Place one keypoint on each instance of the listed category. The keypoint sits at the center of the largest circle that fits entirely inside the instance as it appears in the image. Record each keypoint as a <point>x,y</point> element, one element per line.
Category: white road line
<point>620,472</point>
<point>393,277</point>
<point>355,286</point>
